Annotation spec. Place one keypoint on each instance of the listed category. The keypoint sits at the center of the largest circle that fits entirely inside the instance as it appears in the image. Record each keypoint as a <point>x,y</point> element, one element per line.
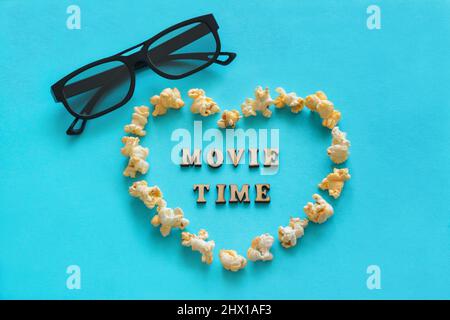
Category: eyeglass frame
<point>139,60</point>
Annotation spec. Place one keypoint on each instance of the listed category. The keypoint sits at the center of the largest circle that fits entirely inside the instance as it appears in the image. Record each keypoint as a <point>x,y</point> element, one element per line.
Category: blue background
<point>64,200</point>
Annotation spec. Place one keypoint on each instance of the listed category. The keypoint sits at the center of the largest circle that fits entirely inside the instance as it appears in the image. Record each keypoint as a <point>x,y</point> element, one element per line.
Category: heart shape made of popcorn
<point>167,218</point>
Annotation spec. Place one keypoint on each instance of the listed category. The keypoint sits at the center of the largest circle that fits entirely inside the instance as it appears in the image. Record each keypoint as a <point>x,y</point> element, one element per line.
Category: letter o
<point>214,158</point>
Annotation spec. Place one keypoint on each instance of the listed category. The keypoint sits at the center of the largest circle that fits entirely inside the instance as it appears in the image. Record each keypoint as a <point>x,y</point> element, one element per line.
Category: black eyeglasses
<point>107,84</point>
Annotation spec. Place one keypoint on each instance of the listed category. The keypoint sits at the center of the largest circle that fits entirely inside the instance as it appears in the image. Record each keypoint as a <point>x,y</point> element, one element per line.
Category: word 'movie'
<point>215,157</point>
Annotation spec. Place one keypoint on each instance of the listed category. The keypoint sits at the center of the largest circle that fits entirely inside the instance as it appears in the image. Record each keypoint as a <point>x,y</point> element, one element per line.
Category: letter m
<point>189,160</point>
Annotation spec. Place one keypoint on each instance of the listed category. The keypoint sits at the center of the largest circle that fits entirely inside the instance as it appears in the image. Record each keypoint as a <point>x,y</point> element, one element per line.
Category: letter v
<point>235,158</point>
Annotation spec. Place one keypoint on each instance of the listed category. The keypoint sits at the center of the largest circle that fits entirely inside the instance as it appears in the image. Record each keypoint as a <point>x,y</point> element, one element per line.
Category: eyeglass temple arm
<point>205,56</point>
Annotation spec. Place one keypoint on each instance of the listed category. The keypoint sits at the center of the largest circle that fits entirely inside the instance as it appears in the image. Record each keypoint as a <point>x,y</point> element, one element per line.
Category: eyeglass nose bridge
<point>137,60</point>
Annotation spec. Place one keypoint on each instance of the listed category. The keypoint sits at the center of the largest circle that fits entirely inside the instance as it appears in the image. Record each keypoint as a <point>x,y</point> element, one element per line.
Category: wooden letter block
<point>188,160</point>
<point>271,157</point>
<point>214,158</point>
<point>201,192</point>
<point>235,156</point>
<point>221,193</point>
<point>239,196</point>
<point>253,158</point>
<point>261,193</point>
